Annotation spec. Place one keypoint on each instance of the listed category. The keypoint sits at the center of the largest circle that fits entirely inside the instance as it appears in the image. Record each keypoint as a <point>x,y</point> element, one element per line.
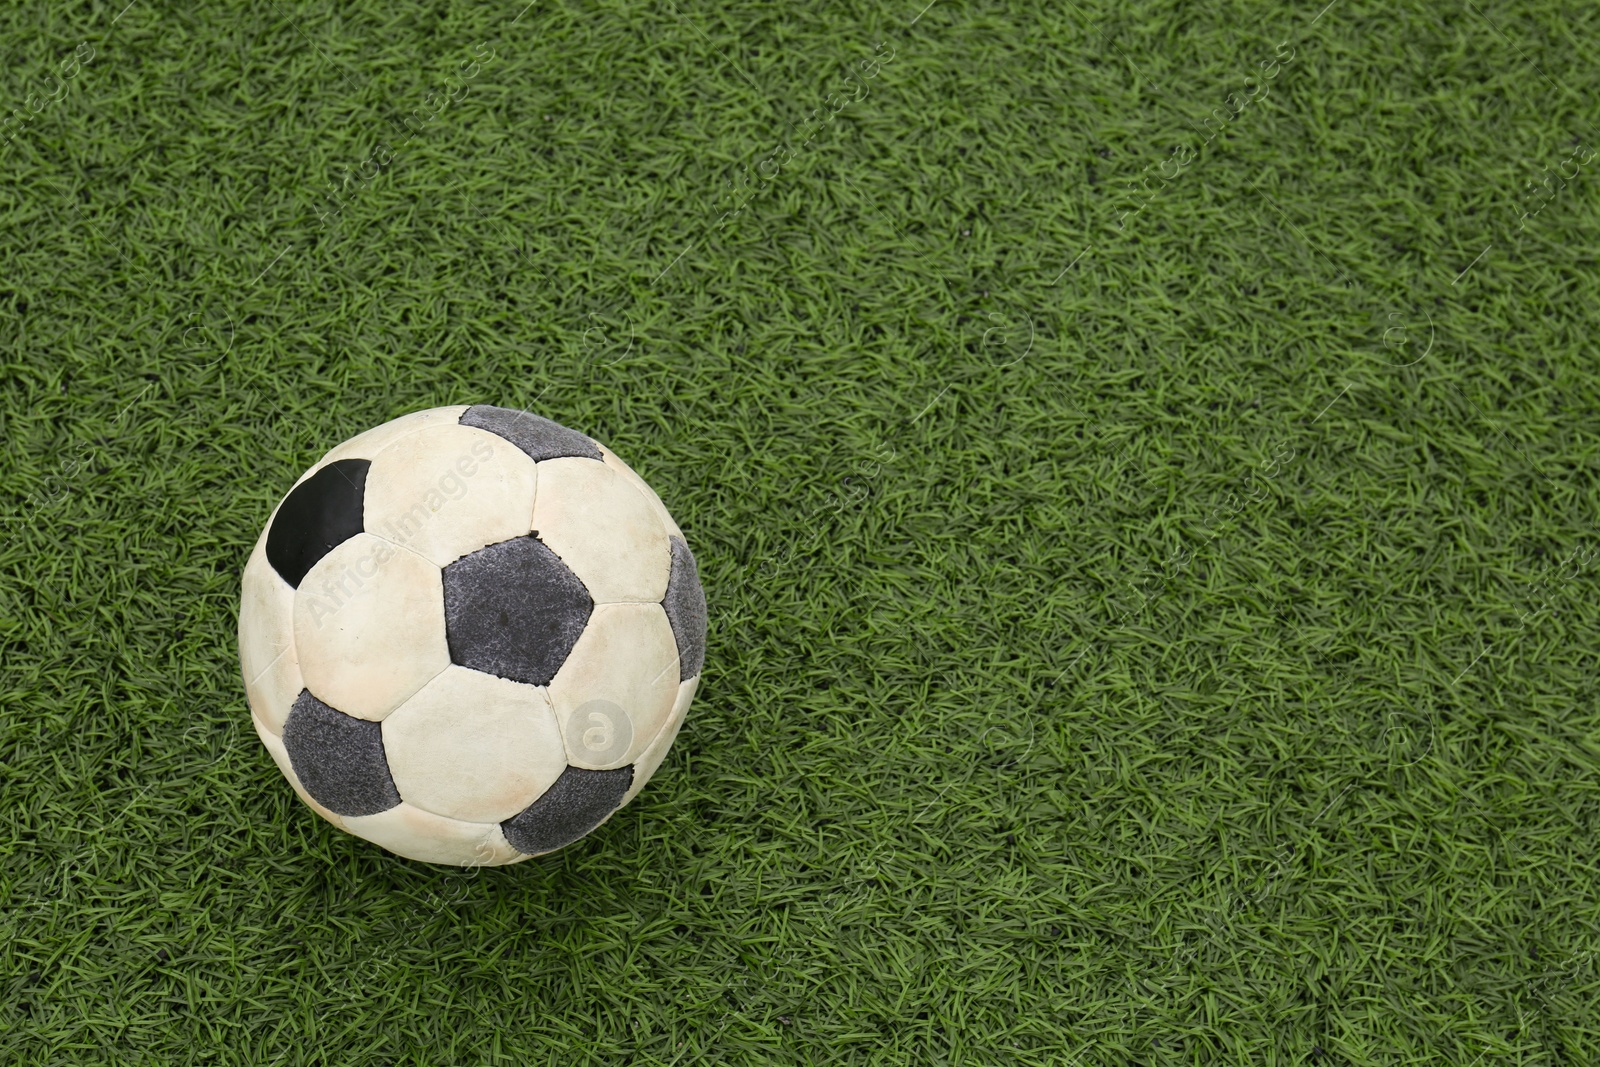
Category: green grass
<point>1172,643</point>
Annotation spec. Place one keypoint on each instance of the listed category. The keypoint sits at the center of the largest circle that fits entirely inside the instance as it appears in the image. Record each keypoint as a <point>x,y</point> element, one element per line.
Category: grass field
<point>1143,460</point>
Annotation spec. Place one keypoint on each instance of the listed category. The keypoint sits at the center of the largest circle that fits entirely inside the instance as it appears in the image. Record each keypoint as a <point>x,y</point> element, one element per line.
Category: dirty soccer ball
<point>470,635</point>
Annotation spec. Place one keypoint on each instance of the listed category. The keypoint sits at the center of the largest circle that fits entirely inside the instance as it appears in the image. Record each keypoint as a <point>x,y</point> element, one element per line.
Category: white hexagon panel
<point>615,690</point>
<point>470,635</point>
<point>605,529</point>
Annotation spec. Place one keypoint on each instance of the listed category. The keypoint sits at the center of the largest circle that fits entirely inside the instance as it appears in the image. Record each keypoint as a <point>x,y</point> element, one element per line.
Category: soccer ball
<point>470,635</point>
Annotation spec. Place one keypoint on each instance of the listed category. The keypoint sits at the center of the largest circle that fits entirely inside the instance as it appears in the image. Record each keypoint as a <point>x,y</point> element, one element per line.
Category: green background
<point>1149,626</point>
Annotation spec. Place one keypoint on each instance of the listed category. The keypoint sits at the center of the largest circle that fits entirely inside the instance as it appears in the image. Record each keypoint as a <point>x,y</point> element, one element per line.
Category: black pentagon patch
<point>338,758</point>
<point>514,610</point>
<point>537,436</point>
<point>686,611</point>
<point>578,802</point>
<point>318,515</point>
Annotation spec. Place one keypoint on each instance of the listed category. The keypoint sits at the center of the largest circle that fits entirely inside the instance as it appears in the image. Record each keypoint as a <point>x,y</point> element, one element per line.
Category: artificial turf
<point>1149,538</point>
